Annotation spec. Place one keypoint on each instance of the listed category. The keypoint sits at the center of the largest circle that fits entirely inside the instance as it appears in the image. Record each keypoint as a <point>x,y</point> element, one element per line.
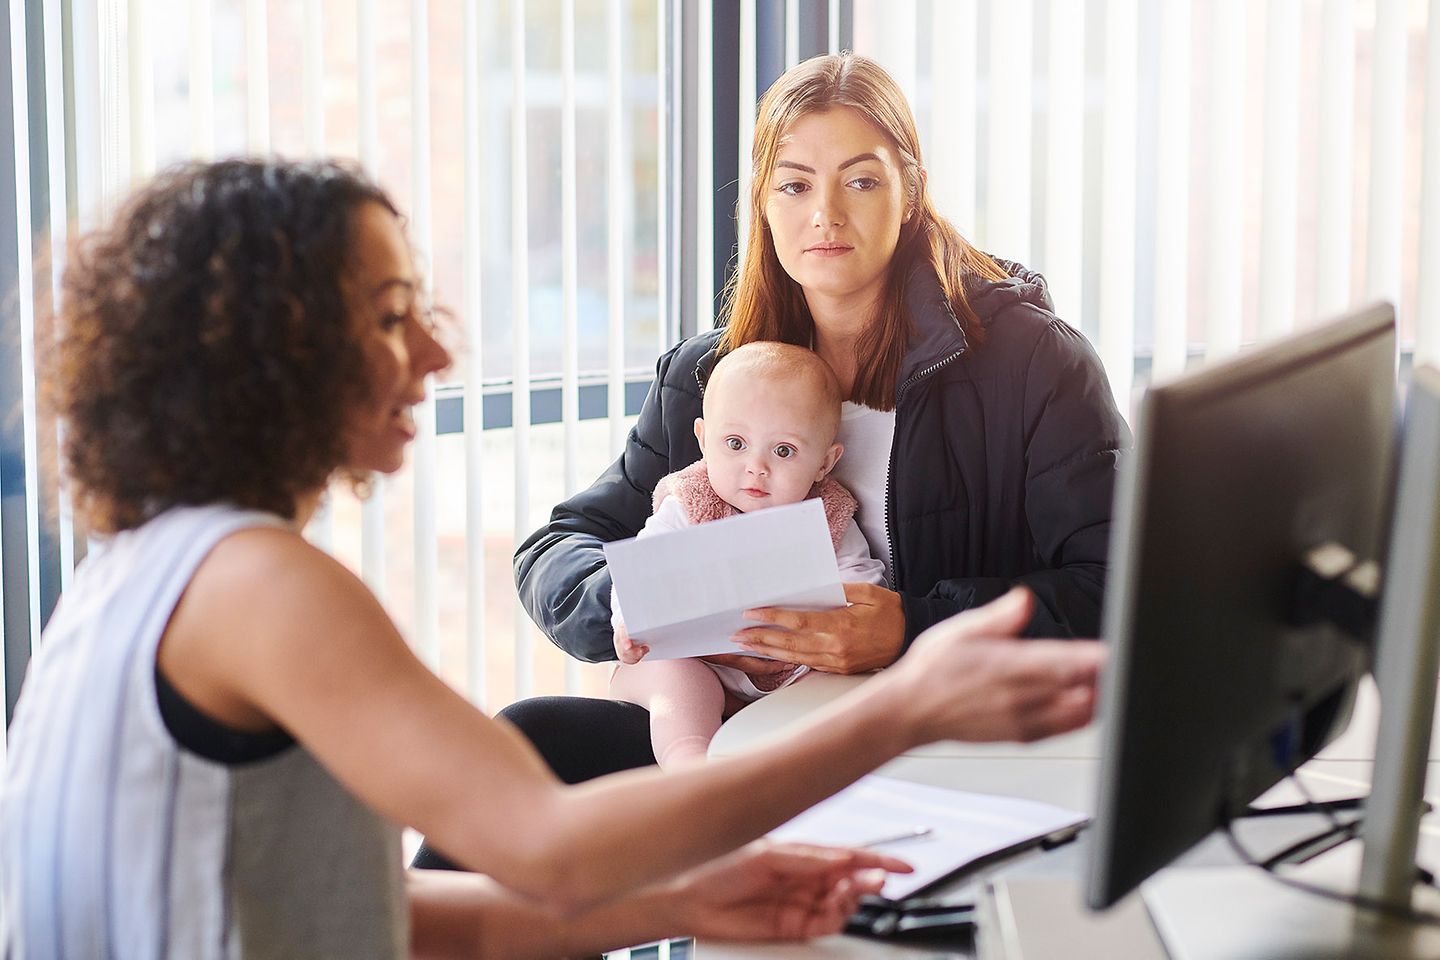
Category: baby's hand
<point>627,650</point>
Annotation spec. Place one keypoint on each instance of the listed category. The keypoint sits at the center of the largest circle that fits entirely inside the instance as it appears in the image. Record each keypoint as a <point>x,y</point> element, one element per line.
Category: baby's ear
<point>832,457</point>
<point>700,432</point>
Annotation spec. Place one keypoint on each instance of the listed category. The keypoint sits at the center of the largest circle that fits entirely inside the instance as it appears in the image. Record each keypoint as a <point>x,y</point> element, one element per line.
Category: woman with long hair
<point>981,438</point>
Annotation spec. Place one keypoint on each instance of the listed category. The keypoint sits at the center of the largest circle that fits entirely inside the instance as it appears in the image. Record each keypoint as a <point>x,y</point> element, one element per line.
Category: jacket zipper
<point>889,503</point>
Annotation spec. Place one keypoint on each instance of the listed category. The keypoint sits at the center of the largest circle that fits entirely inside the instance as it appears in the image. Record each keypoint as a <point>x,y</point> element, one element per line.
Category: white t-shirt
<point>867,434</point>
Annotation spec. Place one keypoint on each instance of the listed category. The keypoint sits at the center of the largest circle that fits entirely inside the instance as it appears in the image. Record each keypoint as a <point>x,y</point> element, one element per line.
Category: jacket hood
<point>990,298</point>
<point>935,332</point>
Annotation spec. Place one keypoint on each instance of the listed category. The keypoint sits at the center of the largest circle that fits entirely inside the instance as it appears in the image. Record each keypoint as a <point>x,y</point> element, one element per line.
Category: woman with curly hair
<point>222,730</point>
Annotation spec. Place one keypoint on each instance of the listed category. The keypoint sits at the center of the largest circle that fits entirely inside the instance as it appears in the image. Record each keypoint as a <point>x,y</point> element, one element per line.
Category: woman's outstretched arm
<point>274,628</point>
<point>763,892</point>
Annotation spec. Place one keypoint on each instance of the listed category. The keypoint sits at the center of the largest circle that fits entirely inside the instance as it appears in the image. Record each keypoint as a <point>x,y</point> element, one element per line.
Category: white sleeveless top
<point>864,468</point>
<point>116,842</point>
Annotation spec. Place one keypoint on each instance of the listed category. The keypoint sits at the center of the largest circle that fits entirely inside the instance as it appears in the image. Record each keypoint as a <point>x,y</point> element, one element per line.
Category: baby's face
<point>766,442</point>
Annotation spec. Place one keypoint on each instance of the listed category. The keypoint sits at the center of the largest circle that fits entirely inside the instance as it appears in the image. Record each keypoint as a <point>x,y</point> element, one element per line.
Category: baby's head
<point>768,433</point>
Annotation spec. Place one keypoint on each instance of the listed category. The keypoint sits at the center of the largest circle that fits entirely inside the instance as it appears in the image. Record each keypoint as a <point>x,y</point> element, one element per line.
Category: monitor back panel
<point>1210,694</point>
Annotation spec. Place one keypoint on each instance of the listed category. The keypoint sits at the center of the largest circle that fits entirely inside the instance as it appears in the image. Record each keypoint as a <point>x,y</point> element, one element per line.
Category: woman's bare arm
<point>761,893</point>
<point>272,626</point>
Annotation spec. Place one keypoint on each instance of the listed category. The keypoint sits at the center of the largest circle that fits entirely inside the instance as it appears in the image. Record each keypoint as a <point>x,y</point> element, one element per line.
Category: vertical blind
<point>1192,175</point>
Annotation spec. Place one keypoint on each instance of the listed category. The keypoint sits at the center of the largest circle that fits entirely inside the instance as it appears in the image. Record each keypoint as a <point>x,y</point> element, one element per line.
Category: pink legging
<point>685,700</point>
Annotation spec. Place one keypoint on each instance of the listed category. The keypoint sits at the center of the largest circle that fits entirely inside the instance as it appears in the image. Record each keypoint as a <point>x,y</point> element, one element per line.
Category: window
<point>1191,176</point>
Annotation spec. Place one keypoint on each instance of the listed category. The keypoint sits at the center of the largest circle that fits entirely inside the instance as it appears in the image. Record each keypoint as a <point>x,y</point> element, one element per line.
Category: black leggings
<point>580,738</point>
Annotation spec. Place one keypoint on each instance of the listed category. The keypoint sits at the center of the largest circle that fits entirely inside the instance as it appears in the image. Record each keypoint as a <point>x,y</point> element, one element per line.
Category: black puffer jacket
<point>1002,471</point>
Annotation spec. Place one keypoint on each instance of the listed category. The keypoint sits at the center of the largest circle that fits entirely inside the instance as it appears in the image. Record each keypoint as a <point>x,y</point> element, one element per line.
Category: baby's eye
<point>735,443</point>
<point>784,451</point>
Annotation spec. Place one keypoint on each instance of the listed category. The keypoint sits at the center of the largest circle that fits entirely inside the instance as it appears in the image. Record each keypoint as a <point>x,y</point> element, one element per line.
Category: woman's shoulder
<point>1019,319</point>
<point>263,602</point>
<point>1019,301</point>
<point>263,574</point>
<point>1033,336</point>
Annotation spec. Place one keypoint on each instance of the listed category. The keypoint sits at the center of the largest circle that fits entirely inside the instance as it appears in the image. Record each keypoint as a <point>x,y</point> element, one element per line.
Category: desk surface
<point>1032,907</point>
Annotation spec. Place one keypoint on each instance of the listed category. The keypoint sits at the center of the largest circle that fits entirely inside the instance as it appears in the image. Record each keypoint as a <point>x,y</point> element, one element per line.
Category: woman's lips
<point>829,249</point>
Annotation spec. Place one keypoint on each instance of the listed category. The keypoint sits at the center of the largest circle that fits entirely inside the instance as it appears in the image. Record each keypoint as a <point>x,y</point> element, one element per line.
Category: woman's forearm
<point>469,915</point>
<point>574,847</point>
<point>619,832</point>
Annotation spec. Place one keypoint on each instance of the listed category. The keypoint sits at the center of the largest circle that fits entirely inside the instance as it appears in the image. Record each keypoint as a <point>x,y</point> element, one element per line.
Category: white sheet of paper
<point>963,826</point>
<point>683,593</point>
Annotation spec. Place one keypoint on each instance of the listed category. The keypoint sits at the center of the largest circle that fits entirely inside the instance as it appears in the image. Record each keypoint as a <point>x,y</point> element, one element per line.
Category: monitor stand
<point>1407,654</point>
<point>1240,911</point>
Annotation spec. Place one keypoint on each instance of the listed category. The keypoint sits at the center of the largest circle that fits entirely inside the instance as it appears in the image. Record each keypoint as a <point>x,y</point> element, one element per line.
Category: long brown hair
<point>762,302</point>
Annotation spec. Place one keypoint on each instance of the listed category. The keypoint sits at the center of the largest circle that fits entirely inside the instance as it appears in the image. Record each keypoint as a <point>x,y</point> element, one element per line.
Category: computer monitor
<point>1218,685</point>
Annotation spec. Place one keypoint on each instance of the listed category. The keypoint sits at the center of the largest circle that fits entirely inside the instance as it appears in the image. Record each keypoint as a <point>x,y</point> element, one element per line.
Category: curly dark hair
<point>205,349</point>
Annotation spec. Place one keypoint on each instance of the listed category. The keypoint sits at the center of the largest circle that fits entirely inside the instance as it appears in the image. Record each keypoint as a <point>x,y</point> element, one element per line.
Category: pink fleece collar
<point>702,504</point>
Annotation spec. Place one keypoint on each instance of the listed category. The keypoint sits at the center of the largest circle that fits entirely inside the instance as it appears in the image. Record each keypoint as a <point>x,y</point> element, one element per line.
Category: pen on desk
<point>914,833</point>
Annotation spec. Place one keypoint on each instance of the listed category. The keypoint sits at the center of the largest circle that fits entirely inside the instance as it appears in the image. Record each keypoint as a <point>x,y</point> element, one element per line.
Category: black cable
<point>1289,810</point>
<point>1310,804</point>
<point>1308,848</point>
<point>1315,806</point>
<point>1422,875</point>
<point>1352,899</point>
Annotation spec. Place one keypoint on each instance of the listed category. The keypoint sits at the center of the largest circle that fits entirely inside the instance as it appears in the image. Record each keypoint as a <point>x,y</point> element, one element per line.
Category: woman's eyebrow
<point>408,285</point>
<point>858,158</point>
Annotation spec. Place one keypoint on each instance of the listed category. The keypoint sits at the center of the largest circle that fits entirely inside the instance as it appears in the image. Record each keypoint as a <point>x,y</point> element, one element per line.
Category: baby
<point>767,438</point>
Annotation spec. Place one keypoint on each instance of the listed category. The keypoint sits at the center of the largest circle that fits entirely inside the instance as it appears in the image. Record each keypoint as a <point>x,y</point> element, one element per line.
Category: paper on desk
<point>965,827</point>
<point>683,592</point>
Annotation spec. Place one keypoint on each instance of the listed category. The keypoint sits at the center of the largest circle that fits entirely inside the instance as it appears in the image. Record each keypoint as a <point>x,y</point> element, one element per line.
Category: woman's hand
<point>866,635</point>
<point>971,678</point>
<point>771,891</point>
